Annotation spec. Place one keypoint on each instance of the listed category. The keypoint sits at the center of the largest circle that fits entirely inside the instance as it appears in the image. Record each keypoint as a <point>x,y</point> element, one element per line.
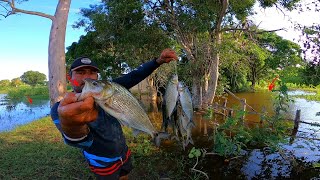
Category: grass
<point>36,151</point>
<point>315,89</point>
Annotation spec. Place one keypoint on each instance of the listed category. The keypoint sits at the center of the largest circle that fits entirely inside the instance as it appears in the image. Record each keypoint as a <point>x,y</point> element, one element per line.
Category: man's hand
<point>74,115</point>
<point>166,56</point>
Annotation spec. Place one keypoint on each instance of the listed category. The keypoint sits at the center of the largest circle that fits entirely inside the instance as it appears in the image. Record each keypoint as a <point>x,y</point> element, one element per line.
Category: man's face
<point>80,74</point>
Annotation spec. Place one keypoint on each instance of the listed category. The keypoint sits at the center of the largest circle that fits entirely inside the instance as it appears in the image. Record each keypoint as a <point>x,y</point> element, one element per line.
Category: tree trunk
<point>152,90</point>
<point>213,81</point>
<point>214,63</point>
<point>56,52</point>
<point>196,93</point>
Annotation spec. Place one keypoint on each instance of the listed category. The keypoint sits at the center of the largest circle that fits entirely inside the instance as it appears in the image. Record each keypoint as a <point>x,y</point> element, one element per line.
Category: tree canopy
<point>33,78</point>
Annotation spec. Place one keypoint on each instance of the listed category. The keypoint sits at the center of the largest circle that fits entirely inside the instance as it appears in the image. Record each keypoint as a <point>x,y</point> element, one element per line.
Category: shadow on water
<point>15,113</point>
<point>257,163</point>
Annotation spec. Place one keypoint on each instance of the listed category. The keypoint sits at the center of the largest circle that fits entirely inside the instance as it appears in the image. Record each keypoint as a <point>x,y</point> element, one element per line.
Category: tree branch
<point>34,13</point>
<point>17,10</point>
<point>254,31</point>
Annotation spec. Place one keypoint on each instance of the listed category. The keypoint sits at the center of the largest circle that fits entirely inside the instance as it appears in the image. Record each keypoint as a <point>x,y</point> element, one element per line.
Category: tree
<point>4,83</point>
<point>16,82</point>
<point>33,78</point>
<point>311,74</point>
<point>310,34</point>
<point>119,39</point>
<point>56,49</point>
<point>196,26</point>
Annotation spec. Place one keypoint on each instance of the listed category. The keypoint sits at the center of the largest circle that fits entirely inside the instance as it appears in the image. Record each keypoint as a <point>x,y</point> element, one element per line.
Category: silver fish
<point>185,127</point>
<point>171,95</point>
<point>121,104</point>
<point>185,100</point>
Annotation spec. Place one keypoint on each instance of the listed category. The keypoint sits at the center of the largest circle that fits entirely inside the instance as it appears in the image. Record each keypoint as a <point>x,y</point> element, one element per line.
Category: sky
<point>24,38</point>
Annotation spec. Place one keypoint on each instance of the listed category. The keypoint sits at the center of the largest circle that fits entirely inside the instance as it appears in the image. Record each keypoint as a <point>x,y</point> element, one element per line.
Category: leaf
<point>197,153</point>
<point>316,165</point>
<point>191,155</point>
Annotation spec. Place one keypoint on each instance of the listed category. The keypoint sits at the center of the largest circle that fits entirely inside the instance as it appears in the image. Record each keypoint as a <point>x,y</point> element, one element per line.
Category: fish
<point>185,100</point>
<point>117,101</point>
<point>171,95</point>
<point>185,126</point>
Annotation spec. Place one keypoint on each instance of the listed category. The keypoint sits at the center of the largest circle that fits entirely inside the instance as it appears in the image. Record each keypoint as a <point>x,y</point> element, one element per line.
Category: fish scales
<point>171,95</point>
<point>120,103</point>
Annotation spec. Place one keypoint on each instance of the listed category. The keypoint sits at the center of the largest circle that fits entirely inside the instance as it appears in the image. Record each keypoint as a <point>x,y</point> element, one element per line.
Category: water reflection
<point>264,163</point>
<point>14,113</point>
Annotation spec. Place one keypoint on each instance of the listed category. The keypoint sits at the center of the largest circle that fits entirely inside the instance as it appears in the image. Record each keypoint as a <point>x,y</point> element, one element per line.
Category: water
<point>262,163</point>
<point>14,114</point>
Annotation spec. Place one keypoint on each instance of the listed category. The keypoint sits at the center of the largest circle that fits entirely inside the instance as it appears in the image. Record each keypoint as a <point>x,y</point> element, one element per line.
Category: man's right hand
<point>74,115</point>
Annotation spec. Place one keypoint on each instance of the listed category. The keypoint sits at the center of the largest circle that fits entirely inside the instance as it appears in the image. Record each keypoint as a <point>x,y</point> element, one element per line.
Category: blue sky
<point>24,38</point>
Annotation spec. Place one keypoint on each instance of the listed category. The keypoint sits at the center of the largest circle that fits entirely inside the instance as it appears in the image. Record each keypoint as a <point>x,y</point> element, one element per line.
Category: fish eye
<point>95,83</point>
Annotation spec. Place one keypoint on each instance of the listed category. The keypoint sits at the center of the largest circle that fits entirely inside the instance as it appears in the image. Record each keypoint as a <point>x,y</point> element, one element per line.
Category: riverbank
<point>36,151</point>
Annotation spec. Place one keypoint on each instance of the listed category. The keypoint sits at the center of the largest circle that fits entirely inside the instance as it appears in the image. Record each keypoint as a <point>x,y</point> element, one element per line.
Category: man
<point>87,126</point>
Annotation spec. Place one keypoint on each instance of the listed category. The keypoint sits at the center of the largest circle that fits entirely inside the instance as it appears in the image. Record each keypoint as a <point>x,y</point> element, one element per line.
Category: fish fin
<point>175,137</point>
<point>159,136</point>
<point>191,124</point>
<point>135,132</point>
<point>163,135</point>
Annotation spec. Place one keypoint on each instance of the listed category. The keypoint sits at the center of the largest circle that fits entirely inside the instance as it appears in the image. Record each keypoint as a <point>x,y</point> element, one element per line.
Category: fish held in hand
<point>121,104</point>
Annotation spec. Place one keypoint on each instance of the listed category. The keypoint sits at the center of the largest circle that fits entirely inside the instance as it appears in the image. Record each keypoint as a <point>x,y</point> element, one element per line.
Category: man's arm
<point>137,75</point>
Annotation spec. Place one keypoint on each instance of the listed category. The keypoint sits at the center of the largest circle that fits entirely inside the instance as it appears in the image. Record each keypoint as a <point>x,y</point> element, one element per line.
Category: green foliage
<point>4,83</point>
<point>119,39</point>
<point>282,99</point>
<point>231,137</point>
<point>288,4</point>
<point>33,78</point>
<point>253,57</point>
<point>15,82</point>
<point>32,91</point>
<point>311,74</point>
<point>194,153</point>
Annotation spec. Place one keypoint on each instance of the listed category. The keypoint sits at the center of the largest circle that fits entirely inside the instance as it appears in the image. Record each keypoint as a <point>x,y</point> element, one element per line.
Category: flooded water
<point>262,164</point>
<point>13,114</point>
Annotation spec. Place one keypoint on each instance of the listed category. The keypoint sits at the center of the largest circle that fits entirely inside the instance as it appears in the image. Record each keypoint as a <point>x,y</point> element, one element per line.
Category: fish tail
<point>189,140</point>
<point>191,124</point>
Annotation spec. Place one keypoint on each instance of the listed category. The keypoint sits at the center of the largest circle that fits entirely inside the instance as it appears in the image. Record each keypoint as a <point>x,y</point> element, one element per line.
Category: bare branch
<point>35,13</point>
<point>17,10</point>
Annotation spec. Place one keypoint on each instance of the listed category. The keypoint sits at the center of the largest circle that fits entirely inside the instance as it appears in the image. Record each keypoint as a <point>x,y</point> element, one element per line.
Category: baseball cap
<point>83,62</point>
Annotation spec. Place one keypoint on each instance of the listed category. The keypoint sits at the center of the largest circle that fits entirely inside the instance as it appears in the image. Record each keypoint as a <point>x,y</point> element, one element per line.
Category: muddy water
<point>257,163</point>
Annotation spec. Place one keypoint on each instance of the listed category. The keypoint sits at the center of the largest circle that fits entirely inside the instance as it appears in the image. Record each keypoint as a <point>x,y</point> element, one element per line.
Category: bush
<point>21,92</point>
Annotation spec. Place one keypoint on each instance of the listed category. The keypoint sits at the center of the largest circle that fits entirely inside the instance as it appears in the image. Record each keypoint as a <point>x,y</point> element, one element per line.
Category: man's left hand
<point>166,56</point>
